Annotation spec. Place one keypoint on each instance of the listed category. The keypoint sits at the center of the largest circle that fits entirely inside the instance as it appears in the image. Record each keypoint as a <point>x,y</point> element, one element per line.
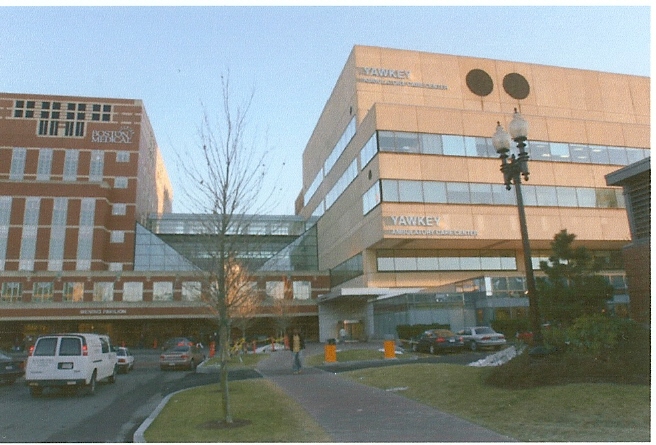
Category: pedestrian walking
<point>342,335</point>
<point>298,344</point>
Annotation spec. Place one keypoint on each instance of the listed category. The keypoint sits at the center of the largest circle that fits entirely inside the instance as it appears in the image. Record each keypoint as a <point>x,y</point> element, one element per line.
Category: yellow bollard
<point>389,348</point>
<point>330,351</point>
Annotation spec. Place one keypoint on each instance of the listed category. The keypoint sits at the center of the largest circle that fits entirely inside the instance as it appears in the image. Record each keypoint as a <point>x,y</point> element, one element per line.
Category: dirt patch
<point>222,424</point>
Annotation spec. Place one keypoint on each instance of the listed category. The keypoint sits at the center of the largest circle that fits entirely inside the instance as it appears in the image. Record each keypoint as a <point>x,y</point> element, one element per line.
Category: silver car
<point>482,337</point>
<point>181,356</point>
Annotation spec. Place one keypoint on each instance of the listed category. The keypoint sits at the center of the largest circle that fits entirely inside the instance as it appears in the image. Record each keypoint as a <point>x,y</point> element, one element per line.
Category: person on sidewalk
<point>298,344</point>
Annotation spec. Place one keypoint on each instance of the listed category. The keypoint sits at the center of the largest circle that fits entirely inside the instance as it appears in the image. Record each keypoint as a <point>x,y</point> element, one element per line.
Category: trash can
<point>330,351</point>
<point>389,347</point>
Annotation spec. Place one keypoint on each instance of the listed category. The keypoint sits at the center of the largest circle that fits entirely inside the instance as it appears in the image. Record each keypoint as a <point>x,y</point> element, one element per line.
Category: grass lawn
<point>273,416</point>
<point>574,412</point>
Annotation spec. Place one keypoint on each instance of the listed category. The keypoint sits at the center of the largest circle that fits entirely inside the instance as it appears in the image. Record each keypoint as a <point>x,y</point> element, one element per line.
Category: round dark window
<point>479,82</point>
<point>516,86</point>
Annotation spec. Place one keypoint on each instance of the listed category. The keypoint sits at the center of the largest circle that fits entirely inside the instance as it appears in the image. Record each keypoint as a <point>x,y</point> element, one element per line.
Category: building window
<point>12,292</point>
<point>17,169</point>
<point>162,291</point>
<point>133,291</point>
<point>368,151</point>
<point>191,290</point>
<point>302,290</point>
<point>371,198</point>
<point>120,182</point>
<point>116,236</point>
<point>103,291</point>
<point>42,292</point>
<point>73,292</point>
<point>428,261</point>
<point>5,217</point>
<point>97,166</point>
<point>57,234</point>
<point>70,165</point>
<point>115,266</point>
<point>28,239</point>
<point>119,209</point>
<point>85,234</point>
<point>123,156</point>
<point>44,166</point>
<point>275,290</point>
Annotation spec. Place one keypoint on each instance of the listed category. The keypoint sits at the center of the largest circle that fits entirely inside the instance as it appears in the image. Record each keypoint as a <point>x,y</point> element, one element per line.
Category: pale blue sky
<point>171,57</point>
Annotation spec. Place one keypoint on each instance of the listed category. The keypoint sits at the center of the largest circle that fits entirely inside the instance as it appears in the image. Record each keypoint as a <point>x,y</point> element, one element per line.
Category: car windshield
<point>484,331</point>
<point>180,349</point>
<point>444,333</point>
<point>122,352</point>
<point>4,356</point>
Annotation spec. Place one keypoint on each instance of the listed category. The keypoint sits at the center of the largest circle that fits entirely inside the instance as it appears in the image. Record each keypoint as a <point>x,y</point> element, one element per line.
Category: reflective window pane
<point>407,142</point>
<point>390,190</point>
<point>431,144</point>
<point>586,197</point>
<point>560,152</point>
<point>566,196</point>
<point>386,141</point>
<point>546,196</point>
<point>410,191</point>
<point>617,155</point>
<point>453,145</point>
<point>457,192</point>
<point>539,151</point>
<point>435,192</point>
<point>502,196</point>
<point>580,153</point>
<point>480,193</point>
<point>598,154</point>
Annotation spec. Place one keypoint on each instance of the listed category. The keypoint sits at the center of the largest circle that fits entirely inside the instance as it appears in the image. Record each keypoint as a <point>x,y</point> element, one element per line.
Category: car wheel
<point>91,387</point>
<point>112,378</point>
<point>473,346</point>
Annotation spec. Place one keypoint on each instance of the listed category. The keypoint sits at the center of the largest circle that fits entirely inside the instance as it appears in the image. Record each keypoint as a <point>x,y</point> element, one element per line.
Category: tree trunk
<point>224,347</point>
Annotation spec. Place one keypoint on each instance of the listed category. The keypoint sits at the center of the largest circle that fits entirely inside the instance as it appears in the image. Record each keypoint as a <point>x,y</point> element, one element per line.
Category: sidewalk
<point>353,412</point>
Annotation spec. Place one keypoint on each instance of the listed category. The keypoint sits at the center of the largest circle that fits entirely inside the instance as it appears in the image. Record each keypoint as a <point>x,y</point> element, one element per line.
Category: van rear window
<point>45,347</point>
<point>70,346</point>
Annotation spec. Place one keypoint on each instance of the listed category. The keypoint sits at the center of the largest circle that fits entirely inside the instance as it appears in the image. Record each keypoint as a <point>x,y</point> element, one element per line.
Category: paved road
<point>112,414</point>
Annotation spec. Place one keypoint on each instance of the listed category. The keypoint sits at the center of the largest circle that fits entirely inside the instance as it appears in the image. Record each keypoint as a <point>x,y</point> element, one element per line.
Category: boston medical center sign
<point>427,226</point>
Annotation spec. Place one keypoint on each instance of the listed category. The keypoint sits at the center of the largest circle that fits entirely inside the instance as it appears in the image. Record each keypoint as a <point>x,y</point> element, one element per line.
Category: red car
<point>435,341</point>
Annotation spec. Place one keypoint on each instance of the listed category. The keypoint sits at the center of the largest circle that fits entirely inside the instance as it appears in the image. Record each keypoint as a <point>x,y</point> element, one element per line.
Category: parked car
<point>482,337</point>
<point>125,360</point>
<point>435,341</point>
<point>70,361</point>
<point>183,356</point>
<point>11,368</point>
<point>176,341</point>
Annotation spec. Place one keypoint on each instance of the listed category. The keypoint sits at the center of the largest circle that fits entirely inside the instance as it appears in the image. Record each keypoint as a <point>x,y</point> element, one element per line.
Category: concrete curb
<point>138,436</point>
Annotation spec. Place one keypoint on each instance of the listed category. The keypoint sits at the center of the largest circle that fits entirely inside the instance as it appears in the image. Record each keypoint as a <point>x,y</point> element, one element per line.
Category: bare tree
<point>225,176</point>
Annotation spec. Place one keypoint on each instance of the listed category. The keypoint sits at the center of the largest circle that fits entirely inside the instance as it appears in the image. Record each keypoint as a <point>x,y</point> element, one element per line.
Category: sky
<point>289,57</point>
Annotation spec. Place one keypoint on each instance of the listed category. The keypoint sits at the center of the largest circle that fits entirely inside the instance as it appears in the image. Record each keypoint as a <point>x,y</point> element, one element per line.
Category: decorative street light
<point>513,169</point>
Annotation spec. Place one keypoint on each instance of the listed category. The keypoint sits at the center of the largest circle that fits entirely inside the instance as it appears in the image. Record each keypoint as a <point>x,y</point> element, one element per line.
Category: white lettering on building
<point>412,225</point>
<point>122,136</point>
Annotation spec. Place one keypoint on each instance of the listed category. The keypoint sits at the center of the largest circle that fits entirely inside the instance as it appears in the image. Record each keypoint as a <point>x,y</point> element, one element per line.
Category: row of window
<point>58,227</point>
<point>57,117</point>
<point>453,145</point>
<point>12,292</point>
<point>436,192</point>
<point>133,291</point>
<point>71,161</point>
<point>428,261</point>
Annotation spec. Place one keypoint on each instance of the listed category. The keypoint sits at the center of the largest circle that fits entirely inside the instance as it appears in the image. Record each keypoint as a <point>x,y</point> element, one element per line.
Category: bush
<point>510,328</point>
<point>407,331</point>
<point>601,350</point>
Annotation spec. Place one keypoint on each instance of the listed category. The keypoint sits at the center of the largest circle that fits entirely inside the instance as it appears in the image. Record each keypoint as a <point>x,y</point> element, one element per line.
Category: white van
<point>70,360</point>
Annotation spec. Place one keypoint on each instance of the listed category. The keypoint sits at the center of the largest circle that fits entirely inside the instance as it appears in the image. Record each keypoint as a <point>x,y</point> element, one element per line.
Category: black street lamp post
<point>513,169</point>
